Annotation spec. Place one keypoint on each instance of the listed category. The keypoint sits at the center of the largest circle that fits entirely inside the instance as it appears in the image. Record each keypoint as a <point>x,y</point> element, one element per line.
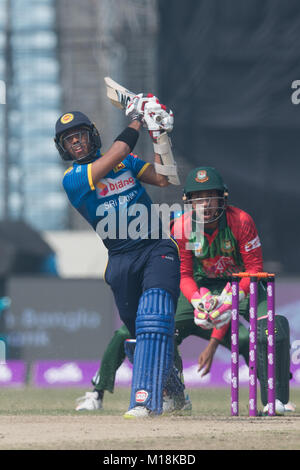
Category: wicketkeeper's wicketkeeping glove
<point>203,302</point>
<point>221,314</point>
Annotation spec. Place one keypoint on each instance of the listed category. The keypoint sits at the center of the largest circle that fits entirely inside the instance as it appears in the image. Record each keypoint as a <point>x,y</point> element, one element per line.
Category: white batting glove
<point>135,108</point>
<point>157,117</point>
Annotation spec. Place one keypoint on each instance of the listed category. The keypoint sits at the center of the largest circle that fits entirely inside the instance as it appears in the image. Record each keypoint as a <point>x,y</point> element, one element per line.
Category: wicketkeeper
<point>215,240</point>
<point>143,266</point>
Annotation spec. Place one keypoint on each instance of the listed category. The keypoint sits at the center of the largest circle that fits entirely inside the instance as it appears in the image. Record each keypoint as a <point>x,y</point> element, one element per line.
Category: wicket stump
<point>252,342</point>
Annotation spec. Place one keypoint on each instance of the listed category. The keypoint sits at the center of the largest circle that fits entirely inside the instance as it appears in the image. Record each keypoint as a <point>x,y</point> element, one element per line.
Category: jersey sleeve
<point>188,286</point>
<point>249,243</point>
<point>220,333</point>
<point>136,165</point>
<point>77,182</point>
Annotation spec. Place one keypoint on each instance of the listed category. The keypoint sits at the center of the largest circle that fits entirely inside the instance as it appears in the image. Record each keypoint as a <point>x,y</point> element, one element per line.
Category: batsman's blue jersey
<point>113,205</point>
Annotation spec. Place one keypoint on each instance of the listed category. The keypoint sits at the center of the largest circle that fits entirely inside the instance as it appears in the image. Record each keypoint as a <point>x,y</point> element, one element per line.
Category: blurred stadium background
<point>226,69</point>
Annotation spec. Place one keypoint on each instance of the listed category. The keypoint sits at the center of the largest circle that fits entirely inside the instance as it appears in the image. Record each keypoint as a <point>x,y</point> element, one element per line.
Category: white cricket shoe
<point>137,412</point>
<point>279,408</point>
<point>89,402</point>
<point>289,407</point>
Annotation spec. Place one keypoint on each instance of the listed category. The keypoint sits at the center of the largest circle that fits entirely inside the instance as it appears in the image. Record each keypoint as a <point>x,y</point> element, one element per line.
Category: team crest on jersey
<point>119,167</point>
<point>227,246</point>
<point>201,176</point>
<point>67,118</point>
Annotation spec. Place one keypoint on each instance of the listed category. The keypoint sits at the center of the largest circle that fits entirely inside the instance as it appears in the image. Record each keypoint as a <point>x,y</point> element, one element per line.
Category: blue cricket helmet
<point>76,120</point>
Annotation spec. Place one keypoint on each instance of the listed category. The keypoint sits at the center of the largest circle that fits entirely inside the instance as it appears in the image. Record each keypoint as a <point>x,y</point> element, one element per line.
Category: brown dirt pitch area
<point>37,419</point>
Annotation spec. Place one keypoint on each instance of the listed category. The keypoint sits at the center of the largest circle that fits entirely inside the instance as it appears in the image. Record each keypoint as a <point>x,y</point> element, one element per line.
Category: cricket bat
<point>118,95</point>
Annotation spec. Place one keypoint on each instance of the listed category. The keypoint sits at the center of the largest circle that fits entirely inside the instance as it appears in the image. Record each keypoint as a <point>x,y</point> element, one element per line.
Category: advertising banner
<point>13,374</point>
<point>54,374</point>
<point>52,318</point>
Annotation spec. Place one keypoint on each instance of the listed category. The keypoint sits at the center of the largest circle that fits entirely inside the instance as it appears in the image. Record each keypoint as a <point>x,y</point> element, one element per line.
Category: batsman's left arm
<point>218,334</point>
<point>151,177</point>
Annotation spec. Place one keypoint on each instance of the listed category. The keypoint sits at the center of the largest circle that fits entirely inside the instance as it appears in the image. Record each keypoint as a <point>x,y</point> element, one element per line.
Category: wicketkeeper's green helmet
<point>204,178</point>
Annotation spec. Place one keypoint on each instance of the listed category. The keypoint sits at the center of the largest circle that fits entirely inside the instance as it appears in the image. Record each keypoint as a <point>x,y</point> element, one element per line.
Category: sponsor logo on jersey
<point>141,396</point>
<point>201,176</point>
<point>110,186</point>
<point>255,243</point>
<point>102,189</point>
<point>170,258</point>
<point>67,118</point>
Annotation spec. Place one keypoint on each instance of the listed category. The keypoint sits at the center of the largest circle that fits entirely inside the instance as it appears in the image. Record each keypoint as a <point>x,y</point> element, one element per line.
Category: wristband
<point>129,136</point>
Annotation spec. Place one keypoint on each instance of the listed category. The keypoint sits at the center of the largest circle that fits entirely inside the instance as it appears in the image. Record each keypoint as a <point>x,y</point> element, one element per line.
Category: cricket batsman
<point>143,267</point>
<point>215,240</point>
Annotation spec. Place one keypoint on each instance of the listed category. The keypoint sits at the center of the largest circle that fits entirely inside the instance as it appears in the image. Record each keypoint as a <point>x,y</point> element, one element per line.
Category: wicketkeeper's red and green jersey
<point>234,246</point>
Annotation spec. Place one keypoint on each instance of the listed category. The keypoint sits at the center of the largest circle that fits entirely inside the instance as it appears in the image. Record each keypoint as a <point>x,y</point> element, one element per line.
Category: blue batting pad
<point>153,355</point>
<point>174,385</point>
